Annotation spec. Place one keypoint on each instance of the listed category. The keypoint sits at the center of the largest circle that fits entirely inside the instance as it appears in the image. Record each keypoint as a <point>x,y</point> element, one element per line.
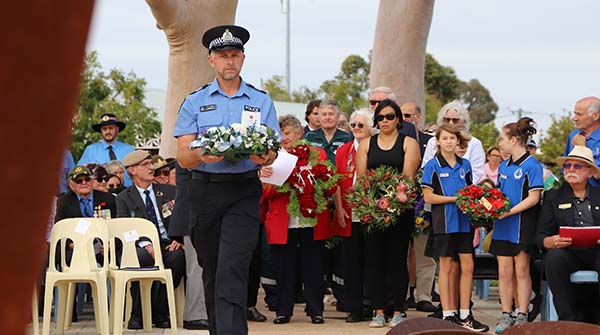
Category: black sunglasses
<point>114,186</point>
<point>374,102</point>
<point>408,116</point>
<point>80,181</point>
<point>359,125</point>
<point>102,179</point>
<point>451,119</point>
<point>165,173</point>
<point>380,117</point>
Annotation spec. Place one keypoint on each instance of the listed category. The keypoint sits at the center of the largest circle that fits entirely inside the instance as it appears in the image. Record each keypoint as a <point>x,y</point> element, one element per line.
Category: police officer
<point>224,196</point>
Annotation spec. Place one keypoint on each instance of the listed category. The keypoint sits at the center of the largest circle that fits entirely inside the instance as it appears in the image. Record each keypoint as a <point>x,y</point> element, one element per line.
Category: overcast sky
<point>540,56</point>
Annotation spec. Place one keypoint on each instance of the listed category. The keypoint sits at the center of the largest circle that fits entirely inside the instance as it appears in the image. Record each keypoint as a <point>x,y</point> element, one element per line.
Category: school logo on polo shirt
<point>463,173</point>
<point>518,173</point>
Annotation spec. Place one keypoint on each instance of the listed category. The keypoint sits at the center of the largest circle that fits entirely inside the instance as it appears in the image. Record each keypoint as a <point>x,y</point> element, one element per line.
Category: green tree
<point>477,99</point>
<point>117,93</point>
<point>553,140</point>
<point>349,88</point>
<point>275,86</point>
<point>441,81</point>
<point>486,133</point>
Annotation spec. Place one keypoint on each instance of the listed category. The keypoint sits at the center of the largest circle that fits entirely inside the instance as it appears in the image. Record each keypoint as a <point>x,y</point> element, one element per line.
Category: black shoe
<point>254,315</point>
<point>281,320</point>
<point>435,297</point>
<point>453,319</point>
<point>354,317</point>
<point>474,325</point>
<point>425,306</point>
<point>317,319</point>
<point>410,303</point>
<point>196,324</point>
<point>163,323</point>
<point>535,310</point>
<point>135,323</point>
<point>437,314</point>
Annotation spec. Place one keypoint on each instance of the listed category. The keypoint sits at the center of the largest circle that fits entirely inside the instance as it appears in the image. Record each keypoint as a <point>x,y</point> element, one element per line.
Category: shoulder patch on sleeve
<point>200,89</point>
<point>256,89</point>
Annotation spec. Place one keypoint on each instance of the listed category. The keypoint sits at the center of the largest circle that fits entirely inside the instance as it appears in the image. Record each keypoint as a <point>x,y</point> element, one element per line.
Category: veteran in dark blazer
<point>154,202</point>
<point>576,204</point>
<point>81,200</point>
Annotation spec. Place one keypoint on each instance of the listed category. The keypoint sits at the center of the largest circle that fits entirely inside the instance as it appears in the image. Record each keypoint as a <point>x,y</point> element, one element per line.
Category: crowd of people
<point>226,232</point>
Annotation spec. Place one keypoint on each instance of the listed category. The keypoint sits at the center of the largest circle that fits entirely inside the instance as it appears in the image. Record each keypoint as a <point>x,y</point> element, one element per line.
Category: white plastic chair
<point>83,268</point>
<point>128,231</point>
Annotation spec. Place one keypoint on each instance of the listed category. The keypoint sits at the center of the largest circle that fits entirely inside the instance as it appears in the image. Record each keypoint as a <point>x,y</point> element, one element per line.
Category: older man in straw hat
<point>575,204</point>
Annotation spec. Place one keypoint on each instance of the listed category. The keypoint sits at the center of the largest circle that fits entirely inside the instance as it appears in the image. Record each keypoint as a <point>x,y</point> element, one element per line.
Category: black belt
<point>224,177</point>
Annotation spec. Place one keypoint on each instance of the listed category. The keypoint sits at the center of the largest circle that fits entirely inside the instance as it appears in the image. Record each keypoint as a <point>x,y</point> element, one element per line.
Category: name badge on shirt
<point>167,208</point>
<point>207,108</point>
<point>444,174</point>
<point>564,206</point>
<point>250,115</point>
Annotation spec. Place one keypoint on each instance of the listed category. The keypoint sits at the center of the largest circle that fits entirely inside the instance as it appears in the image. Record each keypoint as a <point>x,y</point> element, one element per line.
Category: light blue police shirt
<point>98,153</point>
<point>211,107</point>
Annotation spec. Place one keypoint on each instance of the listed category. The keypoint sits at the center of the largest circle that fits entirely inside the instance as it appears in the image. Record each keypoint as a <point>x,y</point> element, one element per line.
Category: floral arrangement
<point>422,217</point>
<point>482,204</point>
<point>381,196</point>
<point>309,184</point>
<point>237,141</point>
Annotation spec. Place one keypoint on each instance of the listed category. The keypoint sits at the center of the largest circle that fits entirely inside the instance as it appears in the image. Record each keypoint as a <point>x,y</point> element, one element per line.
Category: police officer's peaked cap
<point>225,38</point>
<point>108,118</point>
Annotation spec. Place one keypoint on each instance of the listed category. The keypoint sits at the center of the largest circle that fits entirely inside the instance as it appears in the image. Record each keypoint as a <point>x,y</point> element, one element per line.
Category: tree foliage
<point>350,89</point>
<point>117,93</point>
<point>477,99</point>
<point>553,141</point>
<point>487,133</point>
<point>441,81</point>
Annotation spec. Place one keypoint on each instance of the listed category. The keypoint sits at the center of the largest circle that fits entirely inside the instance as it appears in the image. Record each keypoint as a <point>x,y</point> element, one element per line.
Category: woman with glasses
<point>513,241</point>
<point>162,169</point>
<point>99,177</point>
<point>347,226</point>
<point>455,113</point>
<point>386,251</point>
<point>493,158</point>
<point>115,185</point>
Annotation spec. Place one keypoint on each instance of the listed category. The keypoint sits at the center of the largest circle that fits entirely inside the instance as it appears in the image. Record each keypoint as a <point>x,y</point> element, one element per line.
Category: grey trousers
<point>195,308</point>
<point>425,269</point>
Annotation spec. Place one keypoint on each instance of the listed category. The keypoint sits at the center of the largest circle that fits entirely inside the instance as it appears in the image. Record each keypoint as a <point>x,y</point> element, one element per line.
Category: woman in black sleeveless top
<point>386,251</point>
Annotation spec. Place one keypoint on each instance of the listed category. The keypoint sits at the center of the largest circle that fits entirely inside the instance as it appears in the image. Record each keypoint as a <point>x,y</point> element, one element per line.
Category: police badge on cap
<point>225,38</point>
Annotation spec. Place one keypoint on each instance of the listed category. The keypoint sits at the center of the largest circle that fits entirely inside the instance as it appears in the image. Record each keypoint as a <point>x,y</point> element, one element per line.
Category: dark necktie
<point>87,211</point>
<point>111,153</point>
<point>150,209</point>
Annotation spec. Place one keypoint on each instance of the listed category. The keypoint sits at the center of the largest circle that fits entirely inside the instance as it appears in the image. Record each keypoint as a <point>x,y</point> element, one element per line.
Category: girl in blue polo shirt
<point>520,178</point>
<point>443,177</point>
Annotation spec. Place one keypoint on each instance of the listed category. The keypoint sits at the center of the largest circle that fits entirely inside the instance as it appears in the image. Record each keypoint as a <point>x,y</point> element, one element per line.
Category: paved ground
<point>486,312</point>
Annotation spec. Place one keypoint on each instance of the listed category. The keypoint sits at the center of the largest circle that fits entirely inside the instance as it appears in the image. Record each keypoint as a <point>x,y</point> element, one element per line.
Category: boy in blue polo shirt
<point>443,177</point>
<point>513,241</point>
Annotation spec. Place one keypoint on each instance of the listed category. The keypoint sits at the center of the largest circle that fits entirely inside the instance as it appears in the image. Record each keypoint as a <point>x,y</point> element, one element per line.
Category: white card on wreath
<point>282,168</point>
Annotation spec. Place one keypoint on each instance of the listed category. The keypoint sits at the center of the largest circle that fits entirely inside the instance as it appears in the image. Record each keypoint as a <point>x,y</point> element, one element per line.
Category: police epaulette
<point>251,86</point>
<point>201,88</point>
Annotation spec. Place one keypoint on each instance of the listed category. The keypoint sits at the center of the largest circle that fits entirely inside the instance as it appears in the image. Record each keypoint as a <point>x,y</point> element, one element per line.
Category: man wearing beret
<point>224,196</point>
<point>575,204</point>
<point>108,148</point>
<point>153,202</point>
